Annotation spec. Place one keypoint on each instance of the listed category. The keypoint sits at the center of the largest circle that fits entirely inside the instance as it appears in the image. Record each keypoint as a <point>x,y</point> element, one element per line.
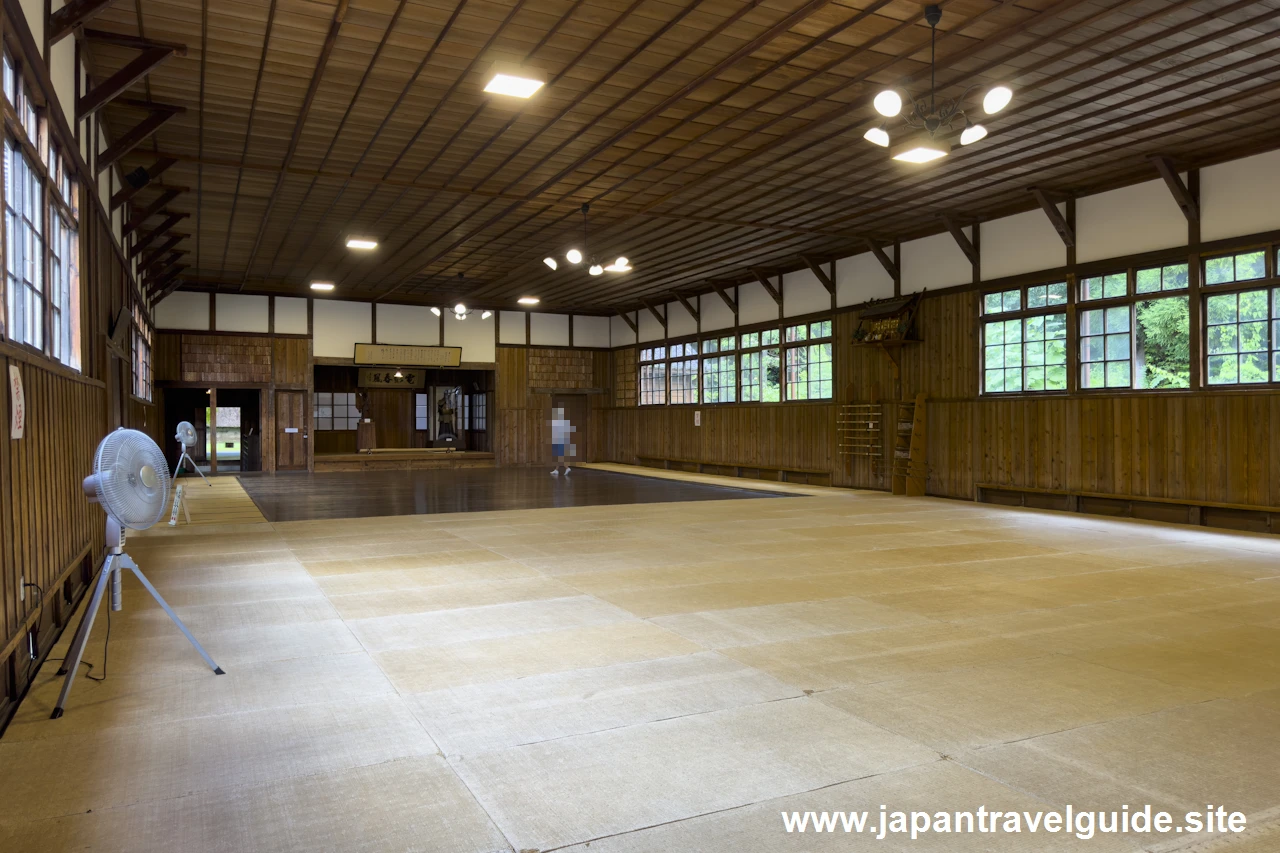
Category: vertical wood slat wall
<point>1220,446</point>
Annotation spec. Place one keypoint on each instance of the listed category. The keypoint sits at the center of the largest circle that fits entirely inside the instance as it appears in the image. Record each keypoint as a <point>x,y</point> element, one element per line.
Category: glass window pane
<point>1221,309</point>
<point>1118,319</point>
<point>1091,322</point>
<point>710,346</point>
<point>1175,277</point>
<point>677,350</point>
<point>769,337</point>
<point>1012,355</point>
<point>1055,326</point>
<point>1012,331</point>
<point>1118,374</point>
<point>1117,347</point>
<point>796,333</point>
<point>994,381</point>
<point>1253,337</point>
<point>1253,367</point>
<point>1148,280</point>
<point>1034,329</point>
<point>1058,293</point>
<point>1038,297</point>
<point>771,375</point>
<point>1223,339</point>
<point>1093,375</point>
<point>1033,379</point>
<point>1253,305</point>
<point>1163,343</point>
<point>1012,300</point>
<point>659,353</point>
<point>726,344</point>
<point>751,339</point>
<point>1091,288</point>
<point>1219,270</point>
<point>1116,284</point>
<point>1250,266</point>
<point>991,303</point>
<point>995,333</point>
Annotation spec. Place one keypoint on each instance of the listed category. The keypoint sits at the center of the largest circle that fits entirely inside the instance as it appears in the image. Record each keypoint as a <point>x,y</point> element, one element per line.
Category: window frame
<point>1021,314</point>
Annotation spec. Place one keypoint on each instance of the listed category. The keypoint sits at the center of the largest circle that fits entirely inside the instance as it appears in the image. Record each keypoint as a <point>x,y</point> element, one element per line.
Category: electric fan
<point>131,481</point>
<point>186,437</point>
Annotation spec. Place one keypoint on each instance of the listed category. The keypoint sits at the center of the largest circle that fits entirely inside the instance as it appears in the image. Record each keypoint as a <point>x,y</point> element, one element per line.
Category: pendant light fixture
<point>575,255</point>
<point>929,120</point>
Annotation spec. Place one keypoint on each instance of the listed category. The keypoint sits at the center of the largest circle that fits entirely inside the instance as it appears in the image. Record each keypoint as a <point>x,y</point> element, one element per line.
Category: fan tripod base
<point>115,563</point>
<point>186,457</point>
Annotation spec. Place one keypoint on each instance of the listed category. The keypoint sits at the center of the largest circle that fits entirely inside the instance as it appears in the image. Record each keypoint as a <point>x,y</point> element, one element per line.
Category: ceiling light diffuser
<point>528,300</point>
<point>573,256</point>
<point>878,135</point>
<point>435,310</point>
<point>922,149</point>
<point>322,285</point>
<point>551,262</point>
<point>888,103</point>
<point>512,85</point>
<point>596,269</point>
<point>996,99</point>
<point>486,315</point>
<point>361,243</point>
<point>459,308</point>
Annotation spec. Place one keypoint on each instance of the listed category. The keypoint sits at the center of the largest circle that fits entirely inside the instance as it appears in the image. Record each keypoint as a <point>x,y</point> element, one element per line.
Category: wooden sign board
<point>402,355</point>
<point>383,377</point>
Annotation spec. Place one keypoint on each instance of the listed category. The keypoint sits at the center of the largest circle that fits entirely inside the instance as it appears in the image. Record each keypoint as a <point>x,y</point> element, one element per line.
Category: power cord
<point>88,666</point>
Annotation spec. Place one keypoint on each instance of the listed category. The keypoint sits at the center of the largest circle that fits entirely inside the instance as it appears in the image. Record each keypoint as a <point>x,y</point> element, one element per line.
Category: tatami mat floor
<point>662,677</point>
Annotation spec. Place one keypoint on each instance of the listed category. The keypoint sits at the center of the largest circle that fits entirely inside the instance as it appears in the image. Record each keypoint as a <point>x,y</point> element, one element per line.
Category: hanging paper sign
<point>17,403</point>
<point>388,377</point>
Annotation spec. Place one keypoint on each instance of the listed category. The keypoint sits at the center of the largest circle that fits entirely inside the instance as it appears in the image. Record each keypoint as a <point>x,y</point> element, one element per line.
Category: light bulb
<point>972,133</point>
<point>459,308</point>
<point>486,315</point>
<point>435,310</point>
<point>399,375</point>
<point>573,256</point>
<point>996,99</point>
<point>596,269</point>
<point>878,136</point>
<point>551,262</point>
<point>621,263</point>
<point>888,103</point>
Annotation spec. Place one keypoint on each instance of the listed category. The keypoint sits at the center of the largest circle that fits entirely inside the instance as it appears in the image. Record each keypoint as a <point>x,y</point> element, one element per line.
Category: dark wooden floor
<point>302,497</point>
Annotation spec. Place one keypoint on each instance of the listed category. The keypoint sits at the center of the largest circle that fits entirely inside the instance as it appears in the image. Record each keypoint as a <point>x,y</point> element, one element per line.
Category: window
<point>421,412</point>
<point>1156,279</point>
<point>1241,337</point>
<point>720,372</point>
<point>1110,286</point>
<point>1245,266</point>
<point>478,420</point>
<point>809,367</point>
<point>653,376</point>
<point>64,290</point>
<point>684,373</point>
<point>1105,356</point>
<point>1025,352</point>
<point>24,271</point>
<point>336,411</point>
<point>761,369</point>
<point>1142,337</point>
<point>141,355</point>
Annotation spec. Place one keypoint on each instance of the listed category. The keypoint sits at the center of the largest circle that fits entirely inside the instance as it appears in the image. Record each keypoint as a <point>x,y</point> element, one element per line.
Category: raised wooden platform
<point>399,459</point>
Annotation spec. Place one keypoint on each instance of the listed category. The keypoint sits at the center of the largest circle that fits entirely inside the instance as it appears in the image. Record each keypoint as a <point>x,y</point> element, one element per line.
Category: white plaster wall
<point>238,312</point>
<point>511,328</point>
<point>183,310</point>
<point>650,328</point>
<point>590,331</point>
<point>291,315</point>
<point>1140,218</point>
<point>475,335</point>
<point>1024,242</point>
<point>33,11</point>
<point>1240,197</point>
<point>934,262</point>
<point>802,293</point>
<point>549,330</point>
<point>861,278</point>
<point>715,314</point>
<point>679,321</point>
<point>339,326</point>
<point>620,333</point>
<point>62,70</point>
<point>407,324</point>
<point>755,305</point>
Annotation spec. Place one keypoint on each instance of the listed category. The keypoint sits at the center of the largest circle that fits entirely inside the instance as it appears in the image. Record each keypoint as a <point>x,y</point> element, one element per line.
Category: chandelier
<point>930,120</point>
<point>575,256</point>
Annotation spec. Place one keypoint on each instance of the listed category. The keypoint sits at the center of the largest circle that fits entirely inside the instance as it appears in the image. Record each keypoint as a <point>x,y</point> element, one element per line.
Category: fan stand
<point>187,457</point>
<point>117,560</point>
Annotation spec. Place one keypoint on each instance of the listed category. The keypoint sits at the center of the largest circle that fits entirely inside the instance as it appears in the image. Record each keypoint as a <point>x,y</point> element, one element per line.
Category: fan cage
<point>122,483</point>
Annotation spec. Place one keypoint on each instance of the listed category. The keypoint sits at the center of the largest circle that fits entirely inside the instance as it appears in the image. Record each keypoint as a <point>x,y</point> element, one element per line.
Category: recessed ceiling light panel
<point>922,149</point>
<point>361,243</point>
<point>528,300</point>
<point>322,285</point>
<point>514,81</point>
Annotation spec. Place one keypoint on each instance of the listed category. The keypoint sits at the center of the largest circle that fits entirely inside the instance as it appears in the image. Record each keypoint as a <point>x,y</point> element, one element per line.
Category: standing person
<point>561,449</point>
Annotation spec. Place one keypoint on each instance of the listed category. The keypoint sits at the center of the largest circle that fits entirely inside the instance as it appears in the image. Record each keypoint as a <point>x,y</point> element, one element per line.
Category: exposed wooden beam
<point>1055,216</point>
<point>819,273</point>
<point>165,285</point>
<point>136,42</point>
<point>153,171</point>
<point>766,284</point>
<point>160,230</point>
<point>1182,195</point>
<point>135,221</point>
<point>662,321</point>
<point>161,263</point>
<point>64,21</point>
<point>626,318</point>
<point>135,137</point>
<point>962,239</point>
<point>693,312</point>
<point>165,247</point>
<point>720,291</point>
<point>115,85</point>
<point>889,266</point>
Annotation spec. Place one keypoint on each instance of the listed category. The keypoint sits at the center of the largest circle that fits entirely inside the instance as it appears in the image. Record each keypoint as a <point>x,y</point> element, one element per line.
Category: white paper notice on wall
<point>17,403</point>
<point>290,429</point>
<point>697,418</point>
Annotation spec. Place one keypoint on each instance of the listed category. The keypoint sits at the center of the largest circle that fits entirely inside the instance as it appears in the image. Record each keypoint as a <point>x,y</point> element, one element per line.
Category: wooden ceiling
<point>708,136</point>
